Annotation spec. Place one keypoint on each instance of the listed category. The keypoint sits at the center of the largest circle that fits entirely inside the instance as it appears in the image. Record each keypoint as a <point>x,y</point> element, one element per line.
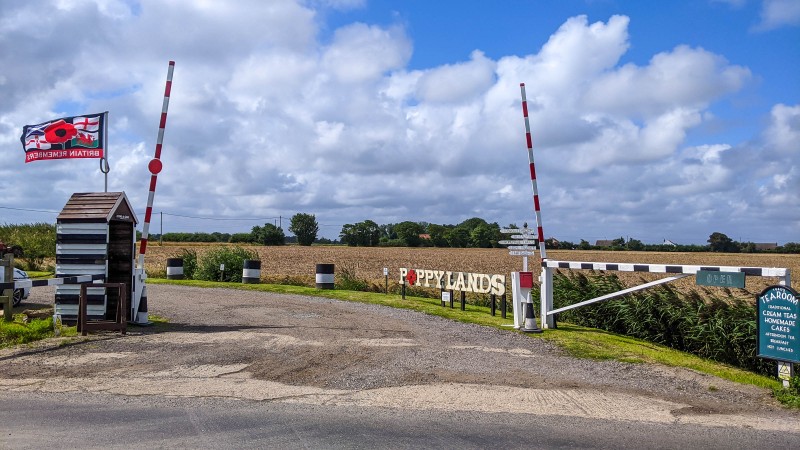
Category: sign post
<point>778,328</point>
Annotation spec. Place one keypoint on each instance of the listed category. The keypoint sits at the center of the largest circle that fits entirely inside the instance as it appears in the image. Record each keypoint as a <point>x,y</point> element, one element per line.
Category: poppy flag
<point>65,138</point>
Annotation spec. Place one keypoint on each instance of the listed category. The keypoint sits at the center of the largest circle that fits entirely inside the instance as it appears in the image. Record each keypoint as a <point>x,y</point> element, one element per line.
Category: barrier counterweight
<point>325,277</point>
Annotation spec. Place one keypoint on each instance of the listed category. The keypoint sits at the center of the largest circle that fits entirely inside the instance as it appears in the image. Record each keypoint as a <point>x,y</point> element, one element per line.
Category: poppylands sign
<point>778,328</point>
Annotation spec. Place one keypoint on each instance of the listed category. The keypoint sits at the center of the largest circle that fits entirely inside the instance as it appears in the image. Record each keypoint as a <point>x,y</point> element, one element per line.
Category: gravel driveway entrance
<point>293,349</point>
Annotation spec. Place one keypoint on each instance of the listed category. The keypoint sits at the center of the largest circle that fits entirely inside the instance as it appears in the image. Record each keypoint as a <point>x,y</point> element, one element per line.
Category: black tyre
<point>17,299</point>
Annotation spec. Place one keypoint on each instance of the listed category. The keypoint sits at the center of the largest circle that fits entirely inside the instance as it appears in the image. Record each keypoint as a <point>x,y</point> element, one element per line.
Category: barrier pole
<point>540,231</point>
<point>155,166</point>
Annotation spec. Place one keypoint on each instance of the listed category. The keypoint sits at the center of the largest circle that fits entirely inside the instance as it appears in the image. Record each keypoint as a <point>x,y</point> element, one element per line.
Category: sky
<point>650,120</point>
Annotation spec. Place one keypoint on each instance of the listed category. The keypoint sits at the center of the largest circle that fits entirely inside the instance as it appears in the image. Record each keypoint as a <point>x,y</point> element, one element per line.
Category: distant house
<point>761,246</point>
<point>425,236</point>
<point>670,243</point>
<point>604,243</point>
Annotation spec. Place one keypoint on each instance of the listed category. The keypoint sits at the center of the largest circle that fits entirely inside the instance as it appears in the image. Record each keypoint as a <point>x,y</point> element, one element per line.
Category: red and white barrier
<point>139,301</point>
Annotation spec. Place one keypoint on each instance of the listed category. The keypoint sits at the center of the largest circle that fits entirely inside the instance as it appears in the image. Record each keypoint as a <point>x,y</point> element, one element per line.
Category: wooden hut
<point>95,234</point>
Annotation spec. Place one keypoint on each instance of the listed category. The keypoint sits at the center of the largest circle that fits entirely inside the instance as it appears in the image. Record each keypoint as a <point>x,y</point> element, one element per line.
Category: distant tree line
<point>474,232</point>
<point>304,226</point>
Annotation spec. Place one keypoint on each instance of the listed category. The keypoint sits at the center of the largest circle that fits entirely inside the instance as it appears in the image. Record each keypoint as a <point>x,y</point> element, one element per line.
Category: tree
<point>409,232</point>
<point>635,245</point>
<point>305,227</point>
<point>361,234</point>
<point>269,234</point>
<point>457,237</point>
<point>719,242</point>
<point>437,233</point>
<point>481,236</point>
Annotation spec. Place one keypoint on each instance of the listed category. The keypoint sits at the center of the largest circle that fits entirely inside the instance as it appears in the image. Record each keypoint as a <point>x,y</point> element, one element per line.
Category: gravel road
<point>255,346</point>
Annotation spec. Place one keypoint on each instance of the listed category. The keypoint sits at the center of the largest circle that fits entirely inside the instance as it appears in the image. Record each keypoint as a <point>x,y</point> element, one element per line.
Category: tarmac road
<point>238,369</point>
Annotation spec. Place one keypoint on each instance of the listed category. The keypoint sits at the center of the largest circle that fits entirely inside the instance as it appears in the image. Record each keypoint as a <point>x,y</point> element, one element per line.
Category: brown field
<point>368,262</point>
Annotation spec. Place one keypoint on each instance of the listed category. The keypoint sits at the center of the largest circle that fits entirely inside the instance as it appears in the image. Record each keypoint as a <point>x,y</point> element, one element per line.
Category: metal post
<point>463,301</point>
<point>7,264</point>
<point>546,296</point>
<point>494,304</point>
<point>403,288</point>
<point>503,306</point>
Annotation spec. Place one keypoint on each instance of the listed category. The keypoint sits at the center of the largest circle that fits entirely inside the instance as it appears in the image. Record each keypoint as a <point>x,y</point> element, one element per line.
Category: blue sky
<point>651,120</point>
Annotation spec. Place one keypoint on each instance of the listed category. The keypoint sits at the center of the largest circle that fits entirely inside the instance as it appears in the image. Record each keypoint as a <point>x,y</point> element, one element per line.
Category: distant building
<point>425,236</point>
<point>604,243</point>
<point>670,243</point>
<point>761,246</point>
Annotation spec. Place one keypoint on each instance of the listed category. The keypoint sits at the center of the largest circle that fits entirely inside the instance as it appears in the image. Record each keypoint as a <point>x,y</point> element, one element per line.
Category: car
<point>21,293</point>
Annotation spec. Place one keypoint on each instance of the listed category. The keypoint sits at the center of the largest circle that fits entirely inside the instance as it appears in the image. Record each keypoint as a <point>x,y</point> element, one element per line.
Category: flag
<point>65,138</point>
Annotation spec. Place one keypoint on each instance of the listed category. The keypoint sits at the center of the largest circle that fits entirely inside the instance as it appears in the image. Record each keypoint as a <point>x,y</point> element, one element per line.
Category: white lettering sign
<point>457,281</point>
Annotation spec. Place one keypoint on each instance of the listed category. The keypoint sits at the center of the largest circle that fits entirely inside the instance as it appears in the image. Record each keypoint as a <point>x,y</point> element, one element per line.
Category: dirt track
<point>267,347</point>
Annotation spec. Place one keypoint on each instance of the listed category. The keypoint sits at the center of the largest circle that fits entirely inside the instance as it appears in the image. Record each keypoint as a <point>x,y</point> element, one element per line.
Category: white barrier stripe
<point>251,273</point>
<point>174,270</point>
<point>664,268</point>
<point>325,278</point>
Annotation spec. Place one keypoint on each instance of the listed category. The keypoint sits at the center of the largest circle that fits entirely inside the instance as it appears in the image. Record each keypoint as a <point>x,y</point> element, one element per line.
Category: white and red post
<point>545,278</point>
<point>537,211</point>
<point>139,303</point>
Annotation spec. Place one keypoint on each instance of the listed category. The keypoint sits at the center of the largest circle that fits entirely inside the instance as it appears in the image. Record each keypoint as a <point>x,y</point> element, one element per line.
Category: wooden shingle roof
<point>96,206</point>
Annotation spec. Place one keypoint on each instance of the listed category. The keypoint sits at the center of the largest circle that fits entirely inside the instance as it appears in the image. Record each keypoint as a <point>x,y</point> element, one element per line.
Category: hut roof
<point>97,206</point>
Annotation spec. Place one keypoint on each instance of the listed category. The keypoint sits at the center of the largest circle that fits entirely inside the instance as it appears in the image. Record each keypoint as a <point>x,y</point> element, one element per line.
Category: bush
<point>189,263</point>
<point>233,259</point>
<point>347,279</point>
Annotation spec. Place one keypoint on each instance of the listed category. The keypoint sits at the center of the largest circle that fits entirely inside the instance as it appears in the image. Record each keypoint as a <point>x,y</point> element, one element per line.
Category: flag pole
<point>104,167</point>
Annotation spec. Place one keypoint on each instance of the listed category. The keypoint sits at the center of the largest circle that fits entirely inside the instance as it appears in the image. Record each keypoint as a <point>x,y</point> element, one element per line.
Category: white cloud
<point>268,118</point>
<point>779,13</point>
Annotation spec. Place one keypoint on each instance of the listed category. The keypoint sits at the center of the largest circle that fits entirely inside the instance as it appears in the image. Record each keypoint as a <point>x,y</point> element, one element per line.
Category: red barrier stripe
<point>147,213</point>
<point>153,179</point>
<point>530,141</point>
<point>536,202</point>
<point>525,109</point>
<point>168,89</point>
<point>163,120</point>
<point>158,151</point>
<point>541,234</point>
<point>533,172</point>
<point>143,246</point>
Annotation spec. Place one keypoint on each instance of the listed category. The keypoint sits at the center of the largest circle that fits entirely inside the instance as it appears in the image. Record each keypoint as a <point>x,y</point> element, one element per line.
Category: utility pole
<point>280,220</point>
<point>161,236</point>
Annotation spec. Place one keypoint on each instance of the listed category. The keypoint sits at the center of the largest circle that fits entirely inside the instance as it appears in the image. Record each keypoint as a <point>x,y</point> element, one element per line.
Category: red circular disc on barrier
<point>155,166</point>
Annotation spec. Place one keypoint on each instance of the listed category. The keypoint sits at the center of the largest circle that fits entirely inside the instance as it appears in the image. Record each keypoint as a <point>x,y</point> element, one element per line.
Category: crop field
<point>298,263</point>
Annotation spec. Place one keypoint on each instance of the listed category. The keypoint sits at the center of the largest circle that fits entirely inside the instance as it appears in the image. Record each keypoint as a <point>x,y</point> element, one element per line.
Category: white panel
<point>82,228</point>
<point>79,249</point>
<point>81,269</point>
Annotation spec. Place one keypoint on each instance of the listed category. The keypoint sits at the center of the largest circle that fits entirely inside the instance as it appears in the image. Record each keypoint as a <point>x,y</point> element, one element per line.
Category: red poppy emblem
<point>59,132</point>
<point>411,277</point>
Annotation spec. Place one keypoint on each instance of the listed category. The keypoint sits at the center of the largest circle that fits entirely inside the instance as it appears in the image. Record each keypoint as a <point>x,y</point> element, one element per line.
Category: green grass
<point>17,332</point>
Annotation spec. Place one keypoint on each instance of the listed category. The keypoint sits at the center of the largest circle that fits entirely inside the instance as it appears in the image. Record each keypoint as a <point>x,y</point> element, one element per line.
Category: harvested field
<point>298,263</point>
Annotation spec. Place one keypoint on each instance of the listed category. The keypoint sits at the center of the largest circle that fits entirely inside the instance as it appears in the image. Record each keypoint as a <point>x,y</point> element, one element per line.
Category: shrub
<point>189,263</point>
<point>233,259</point>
